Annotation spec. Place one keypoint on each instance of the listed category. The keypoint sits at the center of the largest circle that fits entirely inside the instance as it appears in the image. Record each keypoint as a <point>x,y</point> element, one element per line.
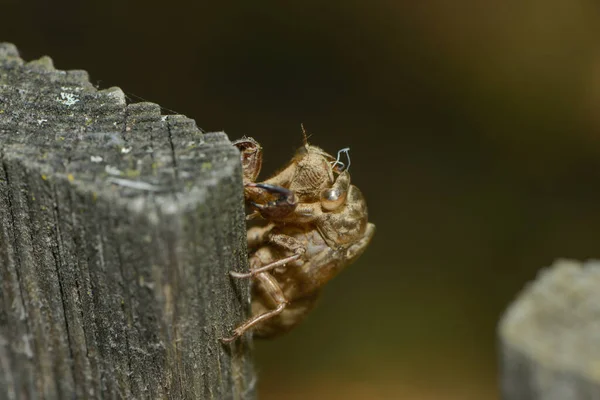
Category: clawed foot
<point>252,215</point>
<point>241,275</point>
<point>283,205</point>
<point>236,334</point>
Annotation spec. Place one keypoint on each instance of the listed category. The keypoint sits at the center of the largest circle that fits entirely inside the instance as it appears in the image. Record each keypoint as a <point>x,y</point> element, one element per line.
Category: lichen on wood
<point>118,226</point>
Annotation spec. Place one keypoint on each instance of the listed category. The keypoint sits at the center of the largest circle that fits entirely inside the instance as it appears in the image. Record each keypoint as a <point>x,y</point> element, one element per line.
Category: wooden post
<point>118,227</point>
<point>550,336</point>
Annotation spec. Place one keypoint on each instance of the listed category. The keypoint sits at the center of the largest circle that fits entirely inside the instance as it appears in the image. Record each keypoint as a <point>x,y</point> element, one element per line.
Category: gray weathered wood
<point>550,336</point>
<point>118,227</point>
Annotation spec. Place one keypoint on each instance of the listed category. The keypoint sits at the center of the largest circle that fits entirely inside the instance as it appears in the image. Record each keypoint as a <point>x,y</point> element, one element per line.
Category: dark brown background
<point>474,130</point>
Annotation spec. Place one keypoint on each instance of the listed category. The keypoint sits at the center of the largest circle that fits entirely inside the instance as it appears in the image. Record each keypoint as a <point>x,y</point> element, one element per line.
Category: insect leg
<point>284,204</point>
<point>271,288</point>
<point>258,235</point>
<point>284,241</point>
<point>303,213</point>
<point>252,215</point>
<point>266,268</point>
<point>287,242</point>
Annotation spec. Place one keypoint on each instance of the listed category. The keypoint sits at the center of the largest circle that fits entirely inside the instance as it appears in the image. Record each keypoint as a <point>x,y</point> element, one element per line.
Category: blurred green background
<point>474,130</point>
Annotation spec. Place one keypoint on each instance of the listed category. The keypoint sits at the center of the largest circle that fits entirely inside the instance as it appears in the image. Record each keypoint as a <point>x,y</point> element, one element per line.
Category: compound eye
<point>332,198</point>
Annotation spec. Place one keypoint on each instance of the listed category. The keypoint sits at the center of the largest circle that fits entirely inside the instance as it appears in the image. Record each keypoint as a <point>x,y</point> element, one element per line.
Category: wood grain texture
<point>550,336</point>
<point>118,227</point>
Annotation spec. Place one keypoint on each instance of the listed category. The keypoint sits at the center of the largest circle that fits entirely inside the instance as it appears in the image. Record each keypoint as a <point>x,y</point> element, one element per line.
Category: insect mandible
<point>314,224</point>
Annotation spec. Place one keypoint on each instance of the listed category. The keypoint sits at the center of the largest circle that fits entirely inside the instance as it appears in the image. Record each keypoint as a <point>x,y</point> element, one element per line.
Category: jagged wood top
<point>63,121</point>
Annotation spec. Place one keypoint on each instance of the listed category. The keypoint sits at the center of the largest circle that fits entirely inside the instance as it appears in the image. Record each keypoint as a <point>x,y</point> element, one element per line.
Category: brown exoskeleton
<point>315,224</point>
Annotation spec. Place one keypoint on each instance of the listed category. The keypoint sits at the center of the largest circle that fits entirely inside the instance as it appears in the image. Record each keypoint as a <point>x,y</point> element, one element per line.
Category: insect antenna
<point>305,135</point>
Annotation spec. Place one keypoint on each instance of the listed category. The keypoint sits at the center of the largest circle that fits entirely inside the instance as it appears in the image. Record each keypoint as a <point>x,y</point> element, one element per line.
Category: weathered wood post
<point>550,336</point>
<point>118,227</point>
